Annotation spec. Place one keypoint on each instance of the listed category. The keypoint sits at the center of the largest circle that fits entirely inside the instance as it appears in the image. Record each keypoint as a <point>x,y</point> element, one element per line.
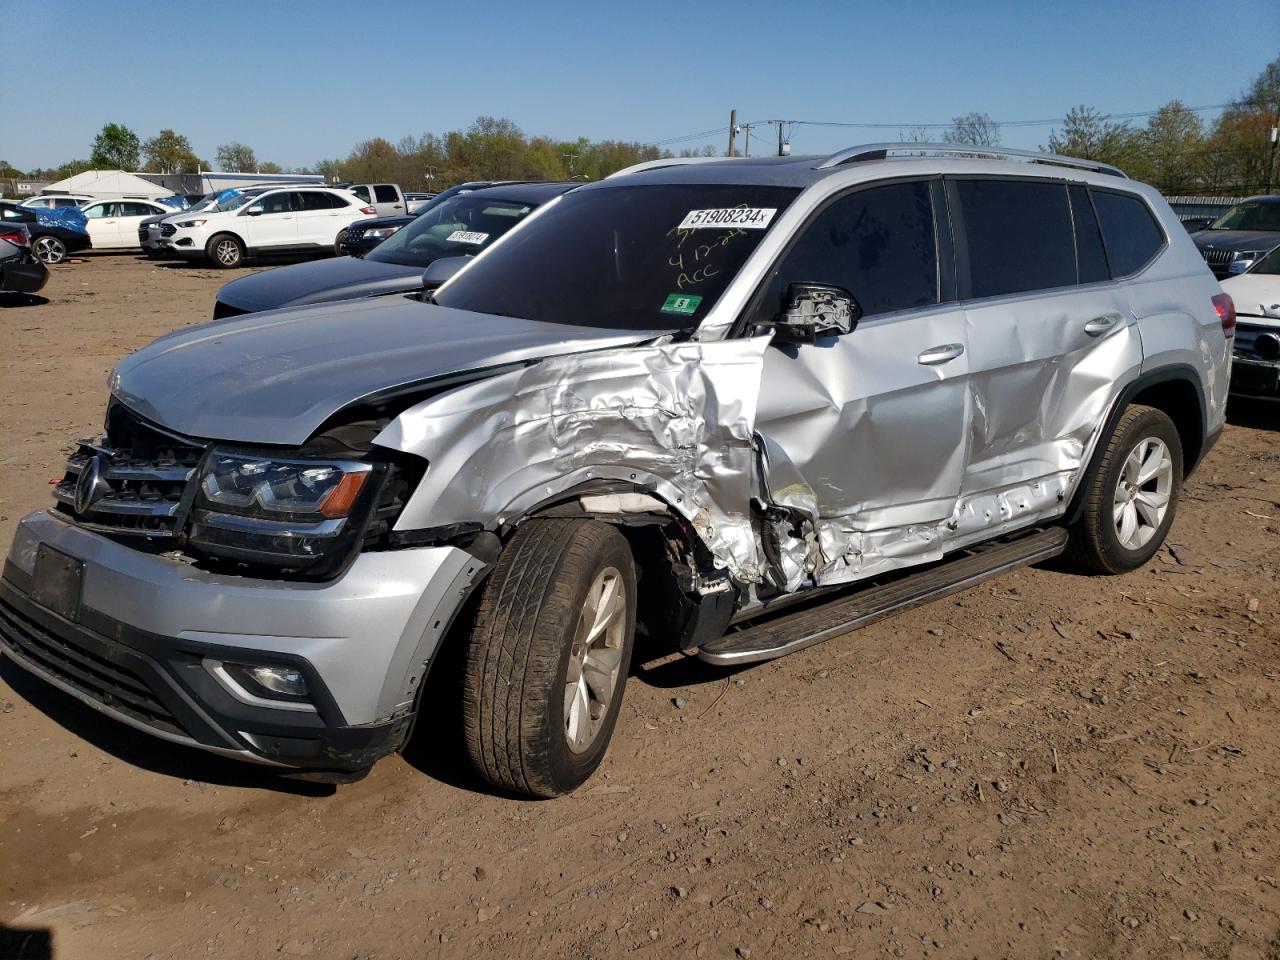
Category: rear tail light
<point>1226,310</point>
<point>369,210</point>
<point>16,238</point>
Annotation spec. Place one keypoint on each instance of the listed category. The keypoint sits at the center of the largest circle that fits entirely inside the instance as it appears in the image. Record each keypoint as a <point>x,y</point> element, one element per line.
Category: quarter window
<point>878,243</point>
<point>1018,236</point>
<point>1131,233</point>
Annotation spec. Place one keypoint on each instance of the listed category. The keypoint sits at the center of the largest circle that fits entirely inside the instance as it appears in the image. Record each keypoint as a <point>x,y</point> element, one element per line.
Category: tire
<point>337,244</point>
<point>225,251</point>
<point>1126,517</point>
<point>49,249</point>
<point>518,714</point>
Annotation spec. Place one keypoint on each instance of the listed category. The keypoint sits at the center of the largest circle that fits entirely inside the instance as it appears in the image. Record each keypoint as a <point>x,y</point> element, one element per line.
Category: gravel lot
<point>1046,765</point>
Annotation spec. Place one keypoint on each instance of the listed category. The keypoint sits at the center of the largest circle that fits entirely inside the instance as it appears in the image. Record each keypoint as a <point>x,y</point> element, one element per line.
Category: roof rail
<point>665,162</point>
<point>882,151</point>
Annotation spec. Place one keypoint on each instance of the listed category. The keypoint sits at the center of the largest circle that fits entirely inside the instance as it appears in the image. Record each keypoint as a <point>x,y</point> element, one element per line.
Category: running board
<point>788,633</point>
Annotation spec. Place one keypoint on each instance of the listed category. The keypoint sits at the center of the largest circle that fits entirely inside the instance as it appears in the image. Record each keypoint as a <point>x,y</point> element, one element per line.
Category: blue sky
<point>300,82</point>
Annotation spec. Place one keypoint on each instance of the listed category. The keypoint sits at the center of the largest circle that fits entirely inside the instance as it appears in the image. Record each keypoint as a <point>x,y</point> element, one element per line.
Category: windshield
<point>1250,216</point>
<point>1270,264</point>
<point>234,203</point>
<point>653,257</point>
<point>461,225</point>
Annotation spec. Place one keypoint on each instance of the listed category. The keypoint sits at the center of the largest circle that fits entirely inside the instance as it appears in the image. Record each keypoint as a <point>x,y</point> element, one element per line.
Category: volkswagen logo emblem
<point>90,487</point>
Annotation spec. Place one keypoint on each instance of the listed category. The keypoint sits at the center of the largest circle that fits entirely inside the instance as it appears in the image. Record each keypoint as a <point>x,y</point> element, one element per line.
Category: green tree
<point>116,147</point>
<point>1173,148</point>
<point>1088,135</point>
<point>973,129</point>
<point>371,160</point>
<point>236,158</point>
<point>170,152</point>
<point>7,169</point>
<point>269,167</point>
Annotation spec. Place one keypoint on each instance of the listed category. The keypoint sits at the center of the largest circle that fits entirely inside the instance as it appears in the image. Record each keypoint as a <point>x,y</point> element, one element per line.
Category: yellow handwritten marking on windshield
<point>702,273</point>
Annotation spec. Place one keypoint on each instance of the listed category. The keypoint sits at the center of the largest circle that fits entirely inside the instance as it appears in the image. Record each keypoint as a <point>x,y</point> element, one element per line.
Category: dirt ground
<point>1048,765</point>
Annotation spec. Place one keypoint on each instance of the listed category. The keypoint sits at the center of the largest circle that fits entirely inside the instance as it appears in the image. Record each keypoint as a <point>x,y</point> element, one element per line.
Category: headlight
<point>191,223</point>
<point>284,512</point>
<point>1242,260</point>
<point>381,233</point>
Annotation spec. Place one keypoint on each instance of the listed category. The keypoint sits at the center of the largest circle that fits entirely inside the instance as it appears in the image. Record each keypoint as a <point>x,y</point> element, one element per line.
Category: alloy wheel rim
<point>595,659</point>
<point>1142,493</point>
<point>49,250</point>
<point>227,252</point>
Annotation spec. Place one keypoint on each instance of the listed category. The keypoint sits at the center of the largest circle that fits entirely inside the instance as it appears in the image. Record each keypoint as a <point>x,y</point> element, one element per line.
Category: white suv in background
<point>301,219</point>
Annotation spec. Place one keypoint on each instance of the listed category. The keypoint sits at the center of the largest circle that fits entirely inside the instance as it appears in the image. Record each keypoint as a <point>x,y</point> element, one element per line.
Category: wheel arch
<point>1175,390</point>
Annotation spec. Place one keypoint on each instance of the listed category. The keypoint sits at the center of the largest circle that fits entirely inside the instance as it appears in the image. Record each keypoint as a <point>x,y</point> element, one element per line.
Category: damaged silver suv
<point>738,406</point>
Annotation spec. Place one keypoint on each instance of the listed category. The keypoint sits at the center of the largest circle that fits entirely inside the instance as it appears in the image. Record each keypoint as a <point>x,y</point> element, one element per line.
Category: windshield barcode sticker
<point>467,236</point>
<point>744,218</point>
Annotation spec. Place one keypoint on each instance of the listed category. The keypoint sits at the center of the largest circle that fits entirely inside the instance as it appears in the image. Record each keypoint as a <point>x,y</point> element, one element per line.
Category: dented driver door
<point>875,420</point>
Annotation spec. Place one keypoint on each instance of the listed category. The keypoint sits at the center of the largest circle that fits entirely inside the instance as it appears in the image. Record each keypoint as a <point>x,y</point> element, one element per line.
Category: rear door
<point>1050,336</point>
<point>874,421</point>
<point>321,217</point>
<point>387,199</point>
<point>271,221</point>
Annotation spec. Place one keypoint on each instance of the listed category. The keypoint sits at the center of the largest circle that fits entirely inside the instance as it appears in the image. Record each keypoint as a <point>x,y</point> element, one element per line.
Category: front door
<point>272,221</point>
<point>874,421</point>
<point>102,222</point>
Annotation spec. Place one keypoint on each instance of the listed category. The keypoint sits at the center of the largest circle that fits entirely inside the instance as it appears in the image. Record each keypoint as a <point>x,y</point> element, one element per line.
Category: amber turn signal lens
<point>343,497</point>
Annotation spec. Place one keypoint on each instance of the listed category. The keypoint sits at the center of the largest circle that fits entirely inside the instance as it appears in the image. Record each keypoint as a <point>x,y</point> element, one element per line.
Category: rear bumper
<point>144,640</point>
<point>27,275</point>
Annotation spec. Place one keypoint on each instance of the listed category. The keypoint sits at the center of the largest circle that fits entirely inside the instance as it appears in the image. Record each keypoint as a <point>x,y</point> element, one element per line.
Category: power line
<point>1133,115</point>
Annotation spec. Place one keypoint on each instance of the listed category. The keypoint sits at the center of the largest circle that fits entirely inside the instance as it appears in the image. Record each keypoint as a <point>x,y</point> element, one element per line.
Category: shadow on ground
<point>143,750</point>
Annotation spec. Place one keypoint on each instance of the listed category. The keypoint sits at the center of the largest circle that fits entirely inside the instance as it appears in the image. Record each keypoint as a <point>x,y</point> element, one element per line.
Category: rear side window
<point>1131,233</point>
<point>1091,259</point>
<point>878,243</point>
<point>1019,236</point>
<point>319,200</point>
<point>385,193</point>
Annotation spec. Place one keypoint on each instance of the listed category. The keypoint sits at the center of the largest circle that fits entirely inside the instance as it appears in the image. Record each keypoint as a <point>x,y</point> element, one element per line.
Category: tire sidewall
<point>568,769</point>
<point>1152,424</point>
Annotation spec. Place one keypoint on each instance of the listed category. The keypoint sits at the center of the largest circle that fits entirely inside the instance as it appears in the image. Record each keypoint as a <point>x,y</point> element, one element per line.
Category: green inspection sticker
<point>684,306</point>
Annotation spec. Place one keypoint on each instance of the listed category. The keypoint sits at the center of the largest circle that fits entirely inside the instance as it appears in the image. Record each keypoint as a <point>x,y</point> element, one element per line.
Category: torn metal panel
<point>678,418</point>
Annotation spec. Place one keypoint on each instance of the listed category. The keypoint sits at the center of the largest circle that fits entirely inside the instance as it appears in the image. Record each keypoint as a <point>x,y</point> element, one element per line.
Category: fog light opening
<point>267,684</point>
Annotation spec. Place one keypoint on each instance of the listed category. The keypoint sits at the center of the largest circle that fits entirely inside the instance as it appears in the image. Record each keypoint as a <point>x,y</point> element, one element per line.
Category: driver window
<point>99,210</point>
<point>877,243</point>
<point>273,203</point>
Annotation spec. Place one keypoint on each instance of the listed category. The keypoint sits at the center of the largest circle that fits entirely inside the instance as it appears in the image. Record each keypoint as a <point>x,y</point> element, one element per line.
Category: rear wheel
<point>225,251</point>
<point>49,249</point>
<point>548,657</point>
<point>1131,502</point>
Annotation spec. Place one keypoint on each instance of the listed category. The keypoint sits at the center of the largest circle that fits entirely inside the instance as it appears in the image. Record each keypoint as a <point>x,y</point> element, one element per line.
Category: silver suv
<point>737,406</point>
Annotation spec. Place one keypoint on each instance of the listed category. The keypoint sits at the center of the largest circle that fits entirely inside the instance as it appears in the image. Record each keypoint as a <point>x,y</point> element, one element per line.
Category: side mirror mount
<point>812,310</point>
<point>438,271</point>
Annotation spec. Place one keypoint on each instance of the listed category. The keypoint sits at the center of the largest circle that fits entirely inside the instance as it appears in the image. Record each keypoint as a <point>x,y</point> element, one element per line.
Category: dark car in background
<point>20,270</point>
<point>55,233</point>
<point>363,235</point>
<point>453,228</point>
<point>1241,237</point>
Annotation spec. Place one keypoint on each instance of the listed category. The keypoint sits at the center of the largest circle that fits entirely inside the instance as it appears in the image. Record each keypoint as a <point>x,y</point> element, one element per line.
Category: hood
<point>318,281</point>
<point>1255,295</point>
<point>274,378</point>
<point>1236,239</point>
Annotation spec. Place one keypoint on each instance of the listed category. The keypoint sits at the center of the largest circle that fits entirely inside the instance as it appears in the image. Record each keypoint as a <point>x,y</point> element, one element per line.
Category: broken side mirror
<point>438,271</point>
<point>812,310</point>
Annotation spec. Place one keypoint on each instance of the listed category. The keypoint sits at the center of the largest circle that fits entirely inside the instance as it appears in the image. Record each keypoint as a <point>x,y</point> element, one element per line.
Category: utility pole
<point>784,145</point>
<point>746,129</point>
<point>733,129</point>
<point>780,152</point>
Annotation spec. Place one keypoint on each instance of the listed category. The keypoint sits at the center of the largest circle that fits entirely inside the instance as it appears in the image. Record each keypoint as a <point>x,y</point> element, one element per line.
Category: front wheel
<point>225,251</point>
<point>49,249</point>
<point>1130,503</point>
<point>548,656</point>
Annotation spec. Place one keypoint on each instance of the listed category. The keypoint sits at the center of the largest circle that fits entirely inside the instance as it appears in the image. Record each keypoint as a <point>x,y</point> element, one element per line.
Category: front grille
<point>167,229</point>
<point>129,481</point>
<point>95,676</point>
<point>1246,344</point>
<point>142,234</point>
<point>1216,258</point>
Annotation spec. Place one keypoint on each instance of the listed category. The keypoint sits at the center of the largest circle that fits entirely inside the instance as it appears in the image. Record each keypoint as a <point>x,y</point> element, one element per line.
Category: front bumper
<point>143,639</point>
<point>1255,378</point>
<point>25,275</point>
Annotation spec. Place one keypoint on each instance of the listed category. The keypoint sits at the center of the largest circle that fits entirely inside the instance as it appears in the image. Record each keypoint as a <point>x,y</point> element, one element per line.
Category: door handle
<point>1103,324</point>
<point>940,354</point>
